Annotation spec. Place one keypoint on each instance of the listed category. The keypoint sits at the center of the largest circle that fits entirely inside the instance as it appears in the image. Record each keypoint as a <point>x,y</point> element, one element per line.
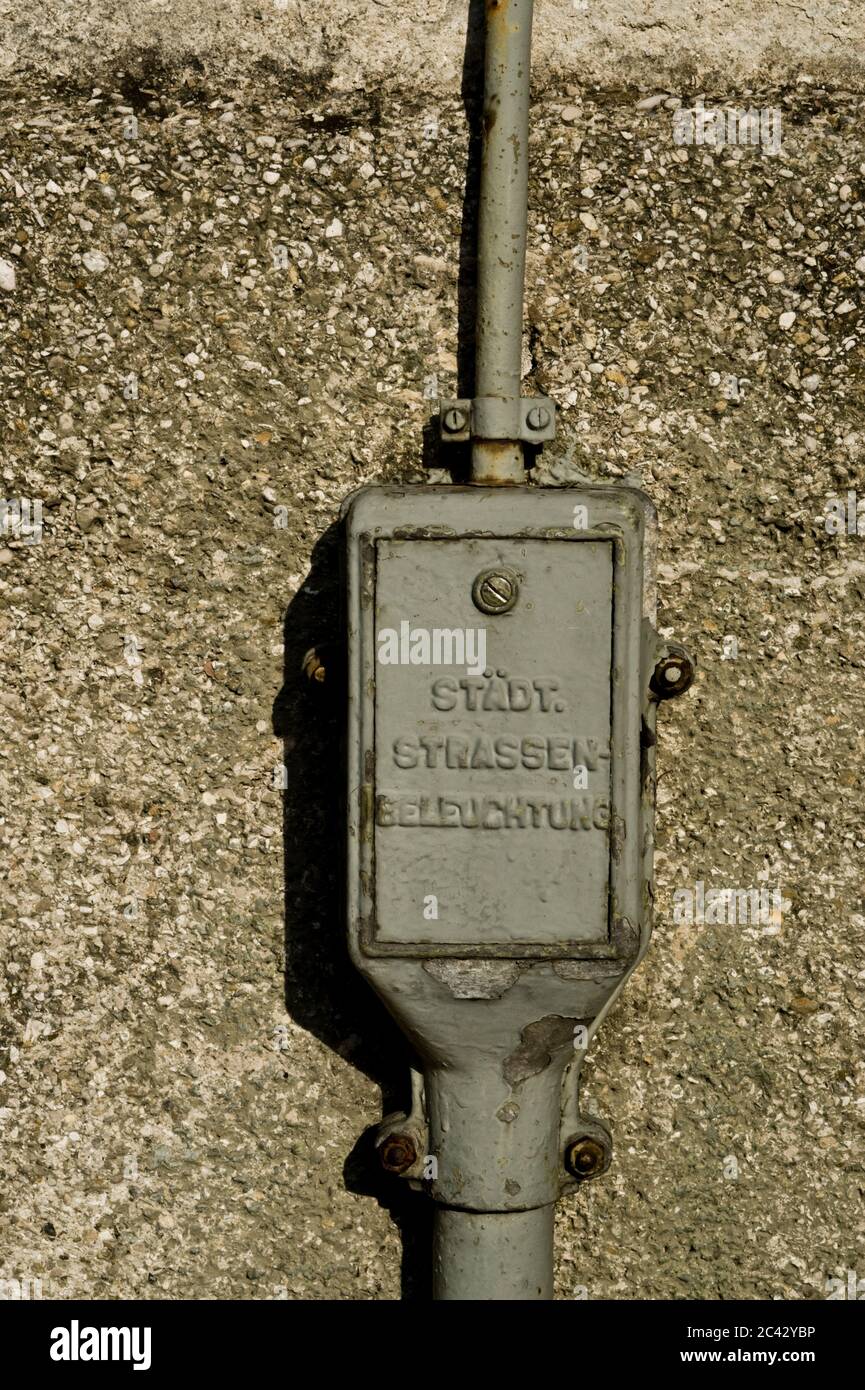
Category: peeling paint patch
<point>475,979</point>
<point>538,1042</point>
<point>588,969</point>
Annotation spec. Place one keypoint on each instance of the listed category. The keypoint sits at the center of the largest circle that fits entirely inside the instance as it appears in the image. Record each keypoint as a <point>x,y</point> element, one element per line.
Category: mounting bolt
<point>454,420</point>
<point>538,418</point>
<point>586,1157</point>
<point>673,673</point>
<point>397,1153</point>
<point>495,591</point>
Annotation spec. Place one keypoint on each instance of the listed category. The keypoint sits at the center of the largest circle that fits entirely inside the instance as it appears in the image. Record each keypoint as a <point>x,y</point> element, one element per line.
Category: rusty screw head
<point>586,1157</point>
<point>454,420</point>
<point>538,418</point>
<point>495,591</point>
<point>397,1153</point>
<point>673,674</point>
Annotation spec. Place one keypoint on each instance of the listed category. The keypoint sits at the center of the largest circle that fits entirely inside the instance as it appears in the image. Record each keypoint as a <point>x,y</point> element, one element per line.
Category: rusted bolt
<point>538,418</point>
<point>397,1153</point>
<point>673,674</point>
<point>454,420</point>
<point>495,591</point>
<point>586,1157</point>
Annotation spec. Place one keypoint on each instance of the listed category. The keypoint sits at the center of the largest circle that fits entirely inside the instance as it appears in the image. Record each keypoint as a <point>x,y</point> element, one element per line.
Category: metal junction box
<point>503,681</point>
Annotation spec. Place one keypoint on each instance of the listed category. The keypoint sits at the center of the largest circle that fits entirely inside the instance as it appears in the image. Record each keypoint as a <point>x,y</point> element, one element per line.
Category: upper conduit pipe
<point>502,213</point>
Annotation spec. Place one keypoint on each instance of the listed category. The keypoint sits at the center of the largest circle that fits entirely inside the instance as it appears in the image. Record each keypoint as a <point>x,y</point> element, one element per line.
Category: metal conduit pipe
<point>502,216</point>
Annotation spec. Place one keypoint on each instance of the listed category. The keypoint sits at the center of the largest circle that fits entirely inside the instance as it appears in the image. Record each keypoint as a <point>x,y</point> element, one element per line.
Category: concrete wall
<point>384,41</point>
<point>227,294</point>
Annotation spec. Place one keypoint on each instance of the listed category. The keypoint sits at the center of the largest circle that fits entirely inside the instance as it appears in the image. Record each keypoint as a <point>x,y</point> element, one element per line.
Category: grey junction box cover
<point>496,693</point>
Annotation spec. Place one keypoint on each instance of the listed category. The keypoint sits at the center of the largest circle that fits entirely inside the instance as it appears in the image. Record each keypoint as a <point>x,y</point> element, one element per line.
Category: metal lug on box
<point>674,672</point>
<point>402,1140</point>
<point>313,666</point>
<point>589,1153</point>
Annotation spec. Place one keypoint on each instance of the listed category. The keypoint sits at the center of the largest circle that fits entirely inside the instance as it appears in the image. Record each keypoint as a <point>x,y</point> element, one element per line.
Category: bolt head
<point>397,1153</point>
<point>313,666</point>
<point>586,1157</point>
<point>495,591</point>
<point>673,674</point>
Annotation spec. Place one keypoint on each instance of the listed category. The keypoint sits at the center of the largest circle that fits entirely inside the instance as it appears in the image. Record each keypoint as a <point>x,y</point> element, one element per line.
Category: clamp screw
<point>454,420</point>
<point>538,418</point>
<point>495,591</point>
<point>397,1153</point>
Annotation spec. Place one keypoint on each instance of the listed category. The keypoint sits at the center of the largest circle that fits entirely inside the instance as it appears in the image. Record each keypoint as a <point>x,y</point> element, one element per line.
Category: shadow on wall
<point>323,992</point>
